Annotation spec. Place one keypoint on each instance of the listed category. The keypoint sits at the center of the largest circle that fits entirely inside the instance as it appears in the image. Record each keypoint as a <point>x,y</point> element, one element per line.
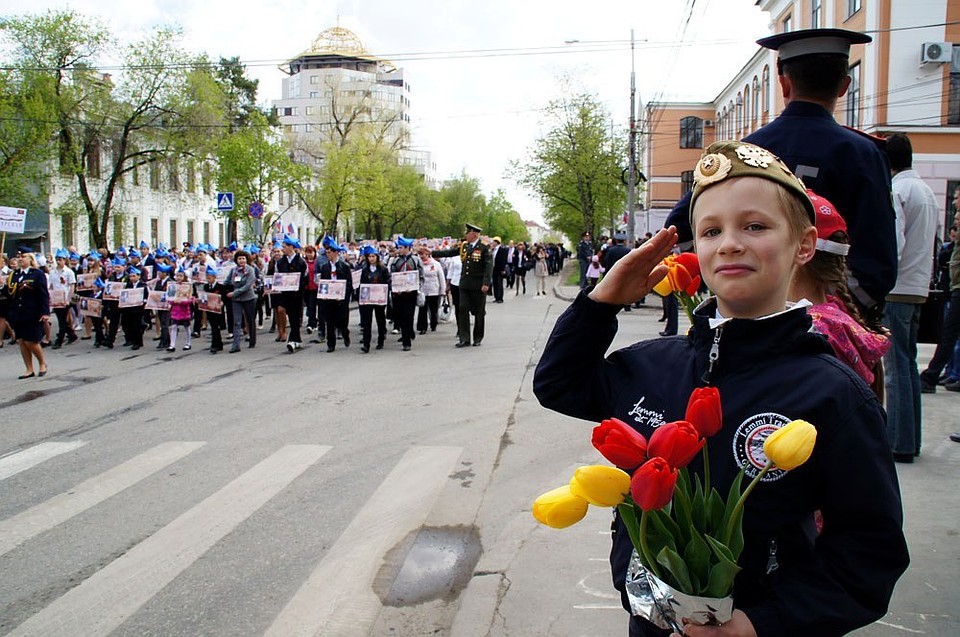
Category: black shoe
<point>109,345</point>
<point>476,343</point>
<point>72,339</point>
<point>422,332</point>
<point>365,348</point>
<point>346,340</point>
<point>234,350</point>
<point>666,333</point>
<point>926,387</point>
<point>462,344</point>
<point>406,348</point>
<point>45,344</point>
<point>955,437</point>
<point>214,350</point>
<point>251,345</point>
<point>273,329</point>
<point>330,349</point>
<point>906,458</point>
<point>136,347</point>
<point>127,344</point>
<point>85,338</point>
<point>57,345</point>
<point>954,386</point>
<point>661,319</point>
<point>97,344</point>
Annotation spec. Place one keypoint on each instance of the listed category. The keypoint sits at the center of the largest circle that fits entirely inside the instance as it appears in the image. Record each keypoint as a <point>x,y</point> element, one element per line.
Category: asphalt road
<point>264,493</point>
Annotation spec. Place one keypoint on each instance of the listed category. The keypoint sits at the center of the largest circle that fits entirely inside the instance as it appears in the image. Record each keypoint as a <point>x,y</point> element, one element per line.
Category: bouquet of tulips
<point>682,280</point>
<point>686,536</point>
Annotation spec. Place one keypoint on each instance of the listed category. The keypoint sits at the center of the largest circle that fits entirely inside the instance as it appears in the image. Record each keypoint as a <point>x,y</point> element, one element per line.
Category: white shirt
<point>61,279</point>
<point>921,219</point>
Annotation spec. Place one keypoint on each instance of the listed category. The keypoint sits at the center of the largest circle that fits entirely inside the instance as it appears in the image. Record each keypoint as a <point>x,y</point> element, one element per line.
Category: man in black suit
<point>499,255</point>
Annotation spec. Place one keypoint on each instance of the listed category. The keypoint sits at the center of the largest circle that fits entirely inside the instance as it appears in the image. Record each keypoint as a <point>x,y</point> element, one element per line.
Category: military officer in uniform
<point>843,165</point>
<point>475,281</point>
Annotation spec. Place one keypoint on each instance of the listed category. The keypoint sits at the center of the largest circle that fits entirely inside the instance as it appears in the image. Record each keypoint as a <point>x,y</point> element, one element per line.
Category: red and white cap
<point>828,222</point>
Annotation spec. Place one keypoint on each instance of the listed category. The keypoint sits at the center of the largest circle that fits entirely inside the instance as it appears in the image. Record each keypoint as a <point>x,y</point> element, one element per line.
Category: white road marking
<point>337,600</point>
<point>105,600</point>
<point>43,517</point>
<point>22,460</point>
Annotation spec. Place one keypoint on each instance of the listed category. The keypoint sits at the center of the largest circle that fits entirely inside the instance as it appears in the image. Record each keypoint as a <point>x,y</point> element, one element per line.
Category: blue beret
<point>144,244</point>
<point>211,271</point>
<point>233,246</point>
<point>74,255</point>
<point>163,267</point>
<point>181,269</point>
<point>121,250</point>
<point>368,249</point>
<point>162,246</point>
<point>118,261</point>
<point>61,253</point>
<point>403,242</point>
<point>254,250</point>
<point>133,270</point>
<point>291,241</point>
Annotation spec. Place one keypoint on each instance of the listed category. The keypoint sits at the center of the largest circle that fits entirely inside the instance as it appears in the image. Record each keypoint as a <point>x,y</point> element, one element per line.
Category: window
<point>206,232</point>
<point>314,94</point>
<point>173,234</point>
<point>686,182</point>
<point>310,110</point>
<point>738,121</point>
<point>190,237</point>
<point>93,159</point>
<point>691,132</point>
<point>174,175</point>
<point>136,229</point>
<point>66,230</point>
<point>755,105</point>
<point>852,7</point>
<point>766,89</point>
<point>191,176</point>
<point>206,178</point>
<point>815,11</point>
<point>953,106</point>
<point>118,231</point>
<point>154,231</point>
<point>314,79</point>
<point>154,175</point>
<point>746,108</point>
<point>853,97</point>
<point>786,25</point>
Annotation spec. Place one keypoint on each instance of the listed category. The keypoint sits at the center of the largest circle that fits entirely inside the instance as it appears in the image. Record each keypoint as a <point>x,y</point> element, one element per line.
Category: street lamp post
<point>632,151</point>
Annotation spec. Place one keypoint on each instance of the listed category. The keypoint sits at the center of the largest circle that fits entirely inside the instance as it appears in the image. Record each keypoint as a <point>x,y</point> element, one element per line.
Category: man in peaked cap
<point>475,281</point>
<point>843,165</point>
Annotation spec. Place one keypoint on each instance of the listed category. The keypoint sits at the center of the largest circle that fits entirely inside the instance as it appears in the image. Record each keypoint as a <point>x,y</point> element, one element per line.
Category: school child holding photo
<point>215,321</point>
<point>753,227</point>
<point>181,311</point>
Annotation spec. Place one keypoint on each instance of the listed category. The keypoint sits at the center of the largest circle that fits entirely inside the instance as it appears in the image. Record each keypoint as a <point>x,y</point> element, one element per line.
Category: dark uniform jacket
<point>848,168</point>
<point>297,264</point>
<point>768,372</point>
<point>343,274</point>
<point>29,295</point>
<point>477,265</point>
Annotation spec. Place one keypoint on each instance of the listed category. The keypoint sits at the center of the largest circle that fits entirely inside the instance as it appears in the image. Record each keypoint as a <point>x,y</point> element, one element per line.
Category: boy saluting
<point>753,226</point>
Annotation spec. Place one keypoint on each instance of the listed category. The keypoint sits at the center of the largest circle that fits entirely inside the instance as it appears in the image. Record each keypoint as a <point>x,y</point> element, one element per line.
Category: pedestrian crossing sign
<point>224,201</point>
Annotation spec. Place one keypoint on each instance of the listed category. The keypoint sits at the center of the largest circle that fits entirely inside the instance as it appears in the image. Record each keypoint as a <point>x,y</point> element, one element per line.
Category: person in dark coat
<point>372,272</point>
<point>475,280</point>
<point>499,254</point>
<point>29,310</point>
<point>336,314</point>
<point>843,165</point>
<point>292,302</point>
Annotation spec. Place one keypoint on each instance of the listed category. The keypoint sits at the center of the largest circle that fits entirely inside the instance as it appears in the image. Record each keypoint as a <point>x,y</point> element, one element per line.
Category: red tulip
<point>676,442</point>
<point>620,443</point>
<point>691,264</point>
<point>652,484</point>
<point>703,411</point>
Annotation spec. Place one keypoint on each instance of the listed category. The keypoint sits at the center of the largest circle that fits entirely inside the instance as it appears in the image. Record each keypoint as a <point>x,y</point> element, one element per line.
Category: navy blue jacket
<point>29,295</point>
<point>768,372</point>
<point>848,168</point>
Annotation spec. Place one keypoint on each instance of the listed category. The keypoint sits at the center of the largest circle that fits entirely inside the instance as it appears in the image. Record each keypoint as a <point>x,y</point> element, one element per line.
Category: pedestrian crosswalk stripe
<point>31,457</point>
<point>332,604</point>
<point>43,517</point>
<point>105,600</point>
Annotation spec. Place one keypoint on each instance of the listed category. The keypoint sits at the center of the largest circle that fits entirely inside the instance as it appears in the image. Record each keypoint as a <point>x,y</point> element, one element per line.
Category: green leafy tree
<point>466,202</point>
<point>253,163</point>
<point>27,129</point>
<point>502,220</point>
<point>575,166</point>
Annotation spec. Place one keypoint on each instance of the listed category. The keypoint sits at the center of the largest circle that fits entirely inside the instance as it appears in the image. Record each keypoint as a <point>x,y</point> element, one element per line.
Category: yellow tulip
<point>791,446</point>
<point>559,508</point>
<point>600,485</point>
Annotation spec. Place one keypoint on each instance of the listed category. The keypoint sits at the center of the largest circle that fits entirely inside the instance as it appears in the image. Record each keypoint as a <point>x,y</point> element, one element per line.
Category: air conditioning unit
<point>709,123</point>
<point>936,53</point>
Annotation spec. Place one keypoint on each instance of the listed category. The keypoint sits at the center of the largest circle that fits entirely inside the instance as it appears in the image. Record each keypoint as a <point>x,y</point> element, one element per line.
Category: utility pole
<point>632,150</point>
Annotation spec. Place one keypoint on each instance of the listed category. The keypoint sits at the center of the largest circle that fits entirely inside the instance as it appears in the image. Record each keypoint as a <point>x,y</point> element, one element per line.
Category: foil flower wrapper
<point>666,607</point>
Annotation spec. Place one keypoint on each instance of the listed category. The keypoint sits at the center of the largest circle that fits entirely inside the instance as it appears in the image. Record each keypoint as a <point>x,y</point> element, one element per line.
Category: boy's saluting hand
<point>633,277</point>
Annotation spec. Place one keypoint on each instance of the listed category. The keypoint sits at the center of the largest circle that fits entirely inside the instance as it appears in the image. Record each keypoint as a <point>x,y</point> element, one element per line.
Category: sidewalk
<point>533,580</point>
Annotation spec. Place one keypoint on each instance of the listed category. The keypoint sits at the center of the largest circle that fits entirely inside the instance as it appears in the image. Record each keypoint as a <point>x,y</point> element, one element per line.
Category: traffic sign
<point>224,201</point>
<point>255,209</point>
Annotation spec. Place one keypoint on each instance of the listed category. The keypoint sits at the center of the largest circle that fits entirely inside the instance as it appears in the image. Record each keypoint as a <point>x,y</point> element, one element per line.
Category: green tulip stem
<point>706,470</point>
<point>645,548</point>
<point>734,515</point>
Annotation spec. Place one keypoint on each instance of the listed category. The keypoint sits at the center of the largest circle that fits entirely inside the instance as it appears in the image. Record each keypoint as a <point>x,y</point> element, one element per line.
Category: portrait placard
<point>407,281</point>
<point>198,275</point>
<point>132,297</point>
<point>223,272</point>
<point>286,281</point>
<point>157,300</point>
<point>111,290</point>
<point>210,301</point>
<point>87,282</point>
<point>355,275</point>
<point>59,298</point>
<point>146,272</point>
<point>373,293</point>
<point>179,291</point>
<point>113,268</point>
<point>332,290</point>
<point>90,307</point>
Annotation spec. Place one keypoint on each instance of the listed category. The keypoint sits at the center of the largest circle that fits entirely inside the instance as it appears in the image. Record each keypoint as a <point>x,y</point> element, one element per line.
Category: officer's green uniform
<point>477,272</point>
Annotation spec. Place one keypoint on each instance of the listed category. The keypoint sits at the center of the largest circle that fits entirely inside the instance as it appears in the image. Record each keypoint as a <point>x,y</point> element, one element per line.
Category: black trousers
<point>672,309</point>
<point>404,306</point>
<point>163,318</point>
<point>312,302</point>
<point>64,324</point>
<point>292,302</point>
<point>216,324</point>
<point>430,309</point>
<point>111,313</point>
<point>244,310</point>
<point>498,287</point>
<point>949,334</point>
<point>132,321</point>
<point>367,312</point>
<point>336,314</point>
<point>471,302</point>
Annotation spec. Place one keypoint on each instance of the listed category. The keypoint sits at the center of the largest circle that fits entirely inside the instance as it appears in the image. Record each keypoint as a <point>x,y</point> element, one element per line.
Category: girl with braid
<point>823,281</point>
